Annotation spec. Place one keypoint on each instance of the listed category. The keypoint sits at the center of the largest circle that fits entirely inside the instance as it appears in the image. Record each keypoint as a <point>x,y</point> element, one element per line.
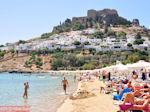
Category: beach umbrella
<point>122,67</point>
<point>119,67</point>
<point>139,64</point>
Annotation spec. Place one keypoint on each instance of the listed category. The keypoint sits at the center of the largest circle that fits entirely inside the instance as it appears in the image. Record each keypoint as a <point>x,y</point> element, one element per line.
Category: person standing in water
<point>26,90</point>
<point>75,78</point>
<point>65,83</point>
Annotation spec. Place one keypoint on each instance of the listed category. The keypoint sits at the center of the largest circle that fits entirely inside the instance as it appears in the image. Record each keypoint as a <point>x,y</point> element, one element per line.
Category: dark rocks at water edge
<point>14,71</point>
<point>21,71</point>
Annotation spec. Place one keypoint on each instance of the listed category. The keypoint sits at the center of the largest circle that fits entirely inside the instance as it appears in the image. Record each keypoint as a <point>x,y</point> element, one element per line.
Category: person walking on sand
<point>143,76</point>
<point>109,76</point>
<point>65,83</point>
<point>104,76</point>
<point>26,90</point>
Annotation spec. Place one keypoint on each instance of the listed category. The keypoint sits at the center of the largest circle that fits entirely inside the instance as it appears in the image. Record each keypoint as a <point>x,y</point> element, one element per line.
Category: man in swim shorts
<point>26,90</point>
<point>65,83</point>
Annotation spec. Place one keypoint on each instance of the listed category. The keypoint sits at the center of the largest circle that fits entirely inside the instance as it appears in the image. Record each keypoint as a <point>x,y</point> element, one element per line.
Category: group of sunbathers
<point>139,93</point>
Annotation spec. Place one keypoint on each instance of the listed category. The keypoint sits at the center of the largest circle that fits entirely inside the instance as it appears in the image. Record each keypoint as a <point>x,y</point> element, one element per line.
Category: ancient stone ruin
<point>106,16</point>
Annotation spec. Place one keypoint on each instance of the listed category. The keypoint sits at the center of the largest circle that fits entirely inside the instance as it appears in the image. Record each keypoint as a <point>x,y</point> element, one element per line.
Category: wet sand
<point>97,103</point>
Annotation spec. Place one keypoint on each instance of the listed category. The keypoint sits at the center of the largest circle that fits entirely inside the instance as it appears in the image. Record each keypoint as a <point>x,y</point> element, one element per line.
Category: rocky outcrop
<point>135,22</point>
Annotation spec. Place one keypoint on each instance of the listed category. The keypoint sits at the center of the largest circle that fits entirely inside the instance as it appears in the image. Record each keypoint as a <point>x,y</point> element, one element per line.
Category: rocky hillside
<point>17,62</point>
<point>94,18</point>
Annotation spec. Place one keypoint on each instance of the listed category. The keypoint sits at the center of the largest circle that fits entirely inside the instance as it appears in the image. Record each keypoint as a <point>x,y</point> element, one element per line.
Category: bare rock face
<point>135,22</point>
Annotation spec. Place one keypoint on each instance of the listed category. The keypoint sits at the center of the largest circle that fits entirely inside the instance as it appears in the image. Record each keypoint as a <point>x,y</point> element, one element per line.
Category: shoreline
<point>67,101</point>
<point>93,103</point>
<point>67,97</point>
<point>113,68</point>
<point>62,72</point>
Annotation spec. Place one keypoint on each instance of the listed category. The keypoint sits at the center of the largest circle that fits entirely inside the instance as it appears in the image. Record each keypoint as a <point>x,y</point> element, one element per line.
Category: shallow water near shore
<point>45,92</point>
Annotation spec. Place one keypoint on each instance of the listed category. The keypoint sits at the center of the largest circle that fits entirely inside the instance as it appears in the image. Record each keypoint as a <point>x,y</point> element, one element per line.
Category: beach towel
<point>129,106</point>
<point>125,107</point>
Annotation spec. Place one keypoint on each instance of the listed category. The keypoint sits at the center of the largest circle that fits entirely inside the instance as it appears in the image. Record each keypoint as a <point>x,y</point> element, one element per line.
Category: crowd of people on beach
<point>132,90</point>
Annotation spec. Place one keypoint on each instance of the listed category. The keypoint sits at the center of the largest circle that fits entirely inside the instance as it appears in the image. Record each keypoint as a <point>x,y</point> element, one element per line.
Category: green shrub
<point>78,26</point>
<point>77,52</point>
<point>126,62</point>
<point>133,58</point>
<point>86,43</point>
<point>57,55</point>
<point>2,53</point>
<point>12,50</point>
<point>47,35</point>
<point>139,41</point>
<point>88,67</point>
<point>76,43</point>
<point>99,35</point>
<point>129,45</point>
<point>1,45</point>
<point>56,64</point>
<point>111,33</point>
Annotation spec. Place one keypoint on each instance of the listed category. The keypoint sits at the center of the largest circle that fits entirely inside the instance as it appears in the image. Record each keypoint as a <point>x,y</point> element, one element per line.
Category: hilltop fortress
<point>105,16</point>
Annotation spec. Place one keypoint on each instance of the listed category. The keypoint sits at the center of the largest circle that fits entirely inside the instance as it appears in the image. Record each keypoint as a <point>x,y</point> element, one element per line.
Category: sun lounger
<point>130,107</point>
<point>117,97</point>
<point>140,88</point>
<point>144,90</point>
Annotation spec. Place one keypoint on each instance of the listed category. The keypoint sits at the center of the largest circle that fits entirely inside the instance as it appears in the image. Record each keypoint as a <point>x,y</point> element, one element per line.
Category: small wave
<point>41,77</point>
<point>54,77</point>
<point>62,93</point>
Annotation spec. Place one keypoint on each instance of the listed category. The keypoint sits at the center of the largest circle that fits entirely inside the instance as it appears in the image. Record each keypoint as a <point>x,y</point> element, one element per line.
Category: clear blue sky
<point>25,19</point>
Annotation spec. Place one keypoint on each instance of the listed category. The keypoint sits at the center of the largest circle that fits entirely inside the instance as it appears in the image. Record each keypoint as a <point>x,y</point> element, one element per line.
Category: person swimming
<point>65,83</point>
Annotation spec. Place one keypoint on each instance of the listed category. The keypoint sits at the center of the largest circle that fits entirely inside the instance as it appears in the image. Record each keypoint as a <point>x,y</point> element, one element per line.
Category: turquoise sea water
<point>44,95</point>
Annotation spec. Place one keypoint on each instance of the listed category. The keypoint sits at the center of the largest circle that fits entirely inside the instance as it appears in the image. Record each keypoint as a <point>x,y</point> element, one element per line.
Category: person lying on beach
<point>143,106</point>
<point>137,98</point>
<point>121,89</point>
<point>26,90</point>
<point>64,83</point>
<point>109,85</point>
<point>130,86</point>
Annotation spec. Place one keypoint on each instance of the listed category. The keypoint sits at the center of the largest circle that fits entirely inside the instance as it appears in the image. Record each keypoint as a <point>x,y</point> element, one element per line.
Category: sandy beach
<point>97,103</point>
